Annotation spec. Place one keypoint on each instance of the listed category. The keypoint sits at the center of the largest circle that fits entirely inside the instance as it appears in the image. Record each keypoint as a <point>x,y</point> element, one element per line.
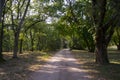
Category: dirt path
<point>62,66</point>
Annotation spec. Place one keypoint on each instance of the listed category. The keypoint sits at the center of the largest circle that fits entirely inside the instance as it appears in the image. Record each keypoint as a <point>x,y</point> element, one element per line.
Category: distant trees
<point>76,23</point>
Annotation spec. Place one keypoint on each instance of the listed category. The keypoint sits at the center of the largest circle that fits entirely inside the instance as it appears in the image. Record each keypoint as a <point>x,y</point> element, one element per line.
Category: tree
<point>18,28</point>
<point>104,29</point>
<point>2,12</point>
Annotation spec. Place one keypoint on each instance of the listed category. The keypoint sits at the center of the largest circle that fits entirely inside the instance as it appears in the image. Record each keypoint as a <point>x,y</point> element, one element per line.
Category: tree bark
<point>21,46</point>
<point>2,2</point>
<point>1,40</point>
<point>99,10</point>
<point>101,48</point>
<point>32,41</point>
<point>2,5</point>
<point>16,38</point>
<point>38,44</point>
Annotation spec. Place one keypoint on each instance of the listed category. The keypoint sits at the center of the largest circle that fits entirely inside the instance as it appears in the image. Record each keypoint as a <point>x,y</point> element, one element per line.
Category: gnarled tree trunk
<point>101,48</point>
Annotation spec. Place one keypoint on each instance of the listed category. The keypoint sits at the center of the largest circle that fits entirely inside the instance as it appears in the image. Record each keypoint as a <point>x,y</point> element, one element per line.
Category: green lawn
<point>98,72</point>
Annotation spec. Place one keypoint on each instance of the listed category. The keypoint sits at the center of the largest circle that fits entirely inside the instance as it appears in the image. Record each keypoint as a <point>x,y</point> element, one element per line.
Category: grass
<point>100,72</point>
<point>19,69</point>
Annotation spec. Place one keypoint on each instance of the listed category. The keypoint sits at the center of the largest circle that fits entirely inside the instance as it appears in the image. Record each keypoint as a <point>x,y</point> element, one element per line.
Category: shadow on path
<point>62,66</point>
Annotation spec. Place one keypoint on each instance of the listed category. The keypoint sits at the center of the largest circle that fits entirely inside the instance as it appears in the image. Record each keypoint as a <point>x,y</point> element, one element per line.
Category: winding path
<point>62,66</point>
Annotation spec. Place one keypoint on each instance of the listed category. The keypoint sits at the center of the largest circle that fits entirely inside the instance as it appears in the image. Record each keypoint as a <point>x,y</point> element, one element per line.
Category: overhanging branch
<point>33,25</point>
<point>110,22</point>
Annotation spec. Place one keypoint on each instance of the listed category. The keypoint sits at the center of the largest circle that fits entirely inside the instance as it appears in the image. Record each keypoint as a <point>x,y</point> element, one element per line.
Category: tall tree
<point>103,29</point>
<point>2,5</point>
<point>18,29</point>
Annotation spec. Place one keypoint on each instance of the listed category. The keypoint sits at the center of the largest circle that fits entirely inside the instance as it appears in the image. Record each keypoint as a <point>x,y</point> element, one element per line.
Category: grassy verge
<point>98,72</point>
<point>19,69</point>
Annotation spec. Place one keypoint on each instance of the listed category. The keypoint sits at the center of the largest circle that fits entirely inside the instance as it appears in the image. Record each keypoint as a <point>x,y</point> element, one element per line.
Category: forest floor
<point>18,69</point>
<point>32,64</point>
<point>100,72</point>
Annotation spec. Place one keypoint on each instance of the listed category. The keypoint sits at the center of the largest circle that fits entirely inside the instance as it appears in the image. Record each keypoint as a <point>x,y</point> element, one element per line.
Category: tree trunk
<point>101,54</point>
<point>101,48</point>
<point>32,41</point>
<point>21,46</point>
<point>1,40</point>
<point>32,45</point>
<point>17,32</point>
<point>16,38</point>
<point>2,2</point>
<point>38,44</point>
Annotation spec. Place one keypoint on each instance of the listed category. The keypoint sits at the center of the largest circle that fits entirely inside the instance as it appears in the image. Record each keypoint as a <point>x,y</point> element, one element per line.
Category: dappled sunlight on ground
<point>99,72</point>
<point>18,69</point>
<point>34,67</point>
<point>62,66</point>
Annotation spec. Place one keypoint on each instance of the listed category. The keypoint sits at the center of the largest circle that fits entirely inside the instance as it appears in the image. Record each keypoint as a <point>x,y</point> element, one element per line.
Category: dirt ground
<point>62,66</point>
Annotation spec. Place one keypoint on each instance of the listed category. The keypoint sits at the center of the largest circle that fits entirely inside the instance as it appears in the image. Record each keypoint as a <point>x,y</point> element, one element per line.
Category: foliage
<point>53,24</point>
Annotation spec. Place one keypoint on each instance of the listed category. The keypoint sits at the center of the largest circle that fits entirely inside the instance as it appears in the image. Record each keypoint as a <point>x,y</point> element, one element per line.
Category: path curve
<point>62,66</point>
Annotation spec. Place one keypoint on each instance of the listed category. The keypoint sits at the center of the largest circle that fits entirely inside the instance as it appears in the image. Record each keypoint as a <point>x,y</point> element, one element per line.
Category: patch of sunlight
<point>115,62</point>
<point>76,69</point>
<point>2,73</point>
<point>43,52</point>
<point>38,58</point>
<point>47,71</point>
<point>44,58</point>
<point>112,47</point>
<point>50,66</point>
<point>84,51</point>
<point>89,77</point>
<point>93,71</point>
<point>34,67</point>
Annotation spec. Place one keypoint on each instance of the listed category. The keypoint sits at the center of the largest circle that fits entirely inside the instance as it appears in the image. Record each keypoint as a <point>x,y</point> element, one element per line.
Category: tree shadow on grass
<point>100,72</point>
<point>103,72</point>
<point>18,69</point>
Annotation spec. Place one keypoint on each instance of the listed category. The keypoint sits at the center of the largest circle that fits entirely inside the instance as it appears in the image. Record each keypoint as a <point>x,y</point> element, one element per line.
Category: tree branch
<point>111,30</point>
<point>33,24</point>
<point>109,23</point>
<point>102,12</point>
<point>94,3</point>
<point>23,17</point>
